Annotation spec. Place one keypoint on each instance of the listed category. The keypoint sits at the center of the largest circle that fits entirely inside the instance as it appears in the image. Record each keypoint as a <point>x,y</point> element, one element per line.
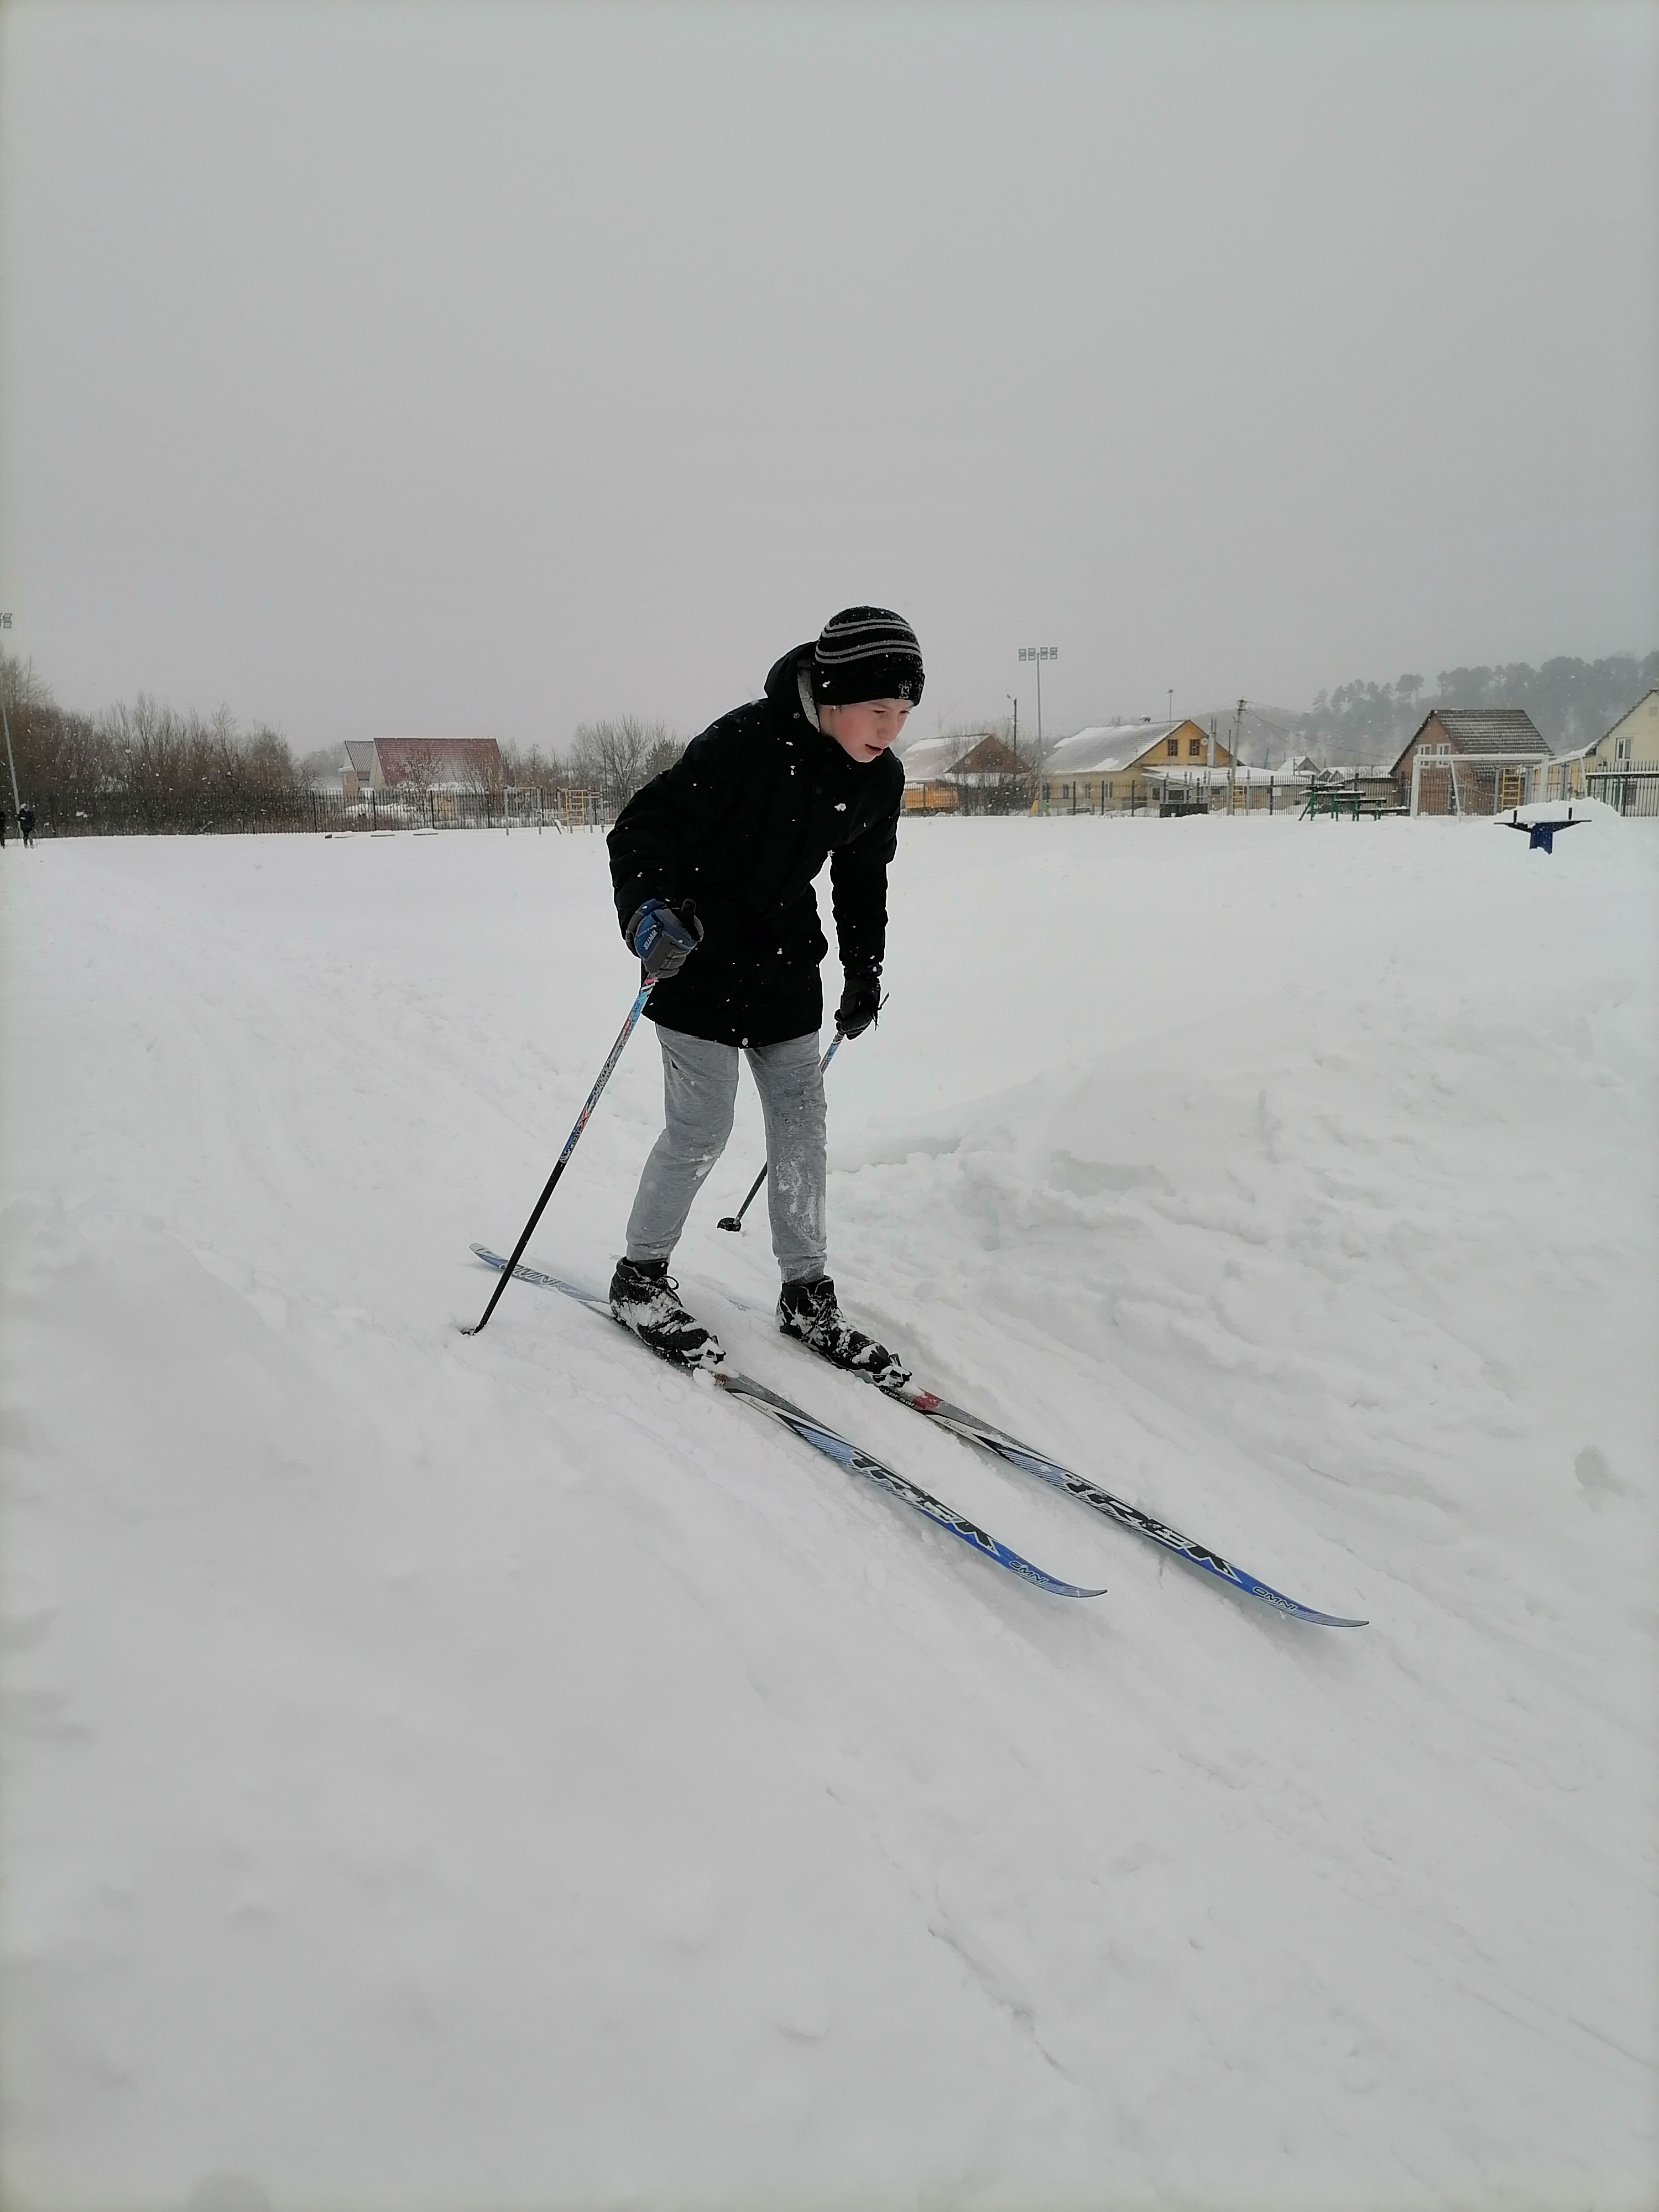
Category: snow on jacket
<point>743,823</point>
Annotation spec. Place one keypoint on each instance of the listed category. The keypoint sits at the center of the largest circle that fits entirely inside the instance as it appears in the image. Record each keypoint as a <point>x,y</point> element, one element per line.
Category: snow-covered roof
<point>360,756</point>
<point>926,759</point>
<point>988,762</point>
<point>1105,746</point>
<point>1489,729</point>
<point>1198,774</point>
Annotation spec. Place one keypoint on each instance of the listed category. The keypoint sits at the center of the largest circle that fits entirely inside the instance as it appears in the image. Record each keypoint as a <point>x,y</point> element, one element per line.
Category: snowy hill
<point>500,1770</point>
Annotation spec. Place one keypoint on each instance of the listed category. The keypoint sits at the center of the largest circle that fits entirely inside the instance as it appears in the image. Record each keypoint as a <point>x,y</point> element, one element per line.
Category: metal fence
<point>1171,793</point>
<point>143,814</point>
<point>1629,791</point>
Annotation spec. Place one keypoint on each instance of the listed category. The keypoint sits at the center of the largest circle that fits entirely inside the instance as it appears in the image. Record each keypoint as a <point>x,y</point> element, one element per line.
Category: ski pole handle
<point>615,1053</point>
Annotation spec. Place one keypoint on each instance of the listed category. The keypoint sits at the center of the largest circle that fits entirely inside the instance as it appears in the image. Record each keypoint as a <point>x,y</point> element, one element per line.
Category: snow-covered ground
<point>443,1772</point>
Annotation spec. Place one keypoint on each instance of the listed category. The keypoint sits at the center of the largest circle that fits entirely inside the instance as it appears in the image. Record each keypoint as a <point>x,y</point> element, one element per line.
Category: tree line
<point>148,767</point>
<point>1571,702</point>
<point>143,766</point>
<point>612,759</point>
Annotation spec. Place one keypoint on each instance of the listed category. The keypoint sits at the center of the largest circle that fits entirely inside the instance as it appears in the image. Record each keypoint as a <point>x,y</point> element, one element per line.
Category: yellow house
<point>1117,765</point>
<point>1631,743</point>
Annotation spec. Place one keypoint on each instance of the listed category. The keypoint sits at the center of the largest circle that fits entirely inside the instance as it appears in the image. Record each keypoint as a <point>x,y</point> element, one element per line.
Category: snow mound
<point>501,1770</point>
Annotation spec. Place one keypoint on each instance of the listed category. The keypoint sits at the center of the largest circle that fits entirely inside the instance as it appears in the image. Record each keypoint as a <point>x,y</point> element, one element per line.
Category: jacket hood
<point>781,678</point>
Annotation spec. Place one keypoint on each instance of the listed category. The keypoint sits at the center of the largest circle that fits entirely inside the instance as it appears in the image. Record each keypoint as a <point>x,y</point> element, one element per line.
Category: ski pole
<point>505,1276</point>
<point>735,1220</point>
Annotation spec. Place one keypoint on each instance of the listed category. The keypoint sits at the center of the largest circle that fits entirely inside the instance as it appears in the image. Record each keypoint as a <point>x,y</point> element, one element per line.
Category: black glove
<point>860,1003</point>
<point>662,940</point>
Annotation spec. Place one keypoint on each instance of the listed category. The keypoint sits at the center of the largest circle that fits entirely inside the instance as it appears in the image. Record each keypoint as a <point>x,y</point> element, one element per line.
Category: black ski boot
<point>809,1312</point>
<point>645,1298</point>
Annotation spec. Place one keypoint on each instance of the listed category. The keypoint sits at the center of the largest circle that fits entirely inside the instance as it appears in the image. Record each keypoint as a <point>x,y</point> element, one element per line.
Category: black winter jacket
<point>742,822</point>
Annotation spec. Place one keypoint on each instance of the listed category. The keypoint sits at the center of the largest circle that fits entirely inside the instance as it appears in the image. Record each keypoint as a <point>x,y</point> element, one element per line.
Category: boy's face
<point>864,731</point>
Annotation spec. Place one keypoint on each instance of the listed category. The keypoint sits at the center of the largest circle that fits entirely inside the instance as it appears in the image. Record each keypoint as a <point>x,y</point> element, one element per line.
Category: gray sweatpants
<point>700,1088</point>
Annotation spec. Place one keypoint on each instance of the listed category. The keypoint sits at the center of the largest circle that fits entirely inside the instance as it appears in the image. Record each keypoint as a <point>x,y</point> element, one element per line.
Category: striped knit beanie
<point>866,653</point>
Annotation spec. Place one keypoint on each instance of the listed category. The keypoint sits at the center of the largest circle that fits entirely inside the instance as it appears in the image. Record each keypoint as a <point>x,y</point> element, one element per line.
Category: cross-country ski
<point>825,1439</point>
<point>975,1430</point>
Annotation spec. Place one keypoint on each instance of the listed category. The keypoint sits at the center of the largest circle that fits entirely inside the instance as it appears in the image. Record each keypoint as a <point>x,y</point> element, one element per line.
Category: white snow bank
<point>444,1771</point>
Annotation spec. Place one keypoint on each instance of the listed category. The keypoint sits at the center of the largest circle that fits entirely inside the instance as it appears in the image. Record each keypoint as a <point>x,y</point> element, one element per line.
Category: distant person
<point>26,823</point>
<point>712,865</point>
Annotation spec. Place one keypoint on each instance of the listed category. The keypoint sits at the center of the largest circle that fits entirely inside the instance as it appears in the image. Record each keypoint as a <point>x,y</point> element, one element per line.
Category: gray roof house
<point>1506,738</point>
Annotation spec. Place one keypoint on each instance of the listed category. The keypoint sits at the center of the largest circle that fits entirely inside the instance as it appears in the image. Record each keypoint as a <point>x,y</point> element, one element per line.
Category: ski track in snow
<point>445,1770</point>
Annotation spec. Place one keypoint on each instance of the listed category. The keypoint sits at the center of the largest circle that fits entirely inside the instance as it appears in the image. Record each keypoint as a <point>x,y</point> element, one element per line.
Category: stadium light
<point>1039,653</point>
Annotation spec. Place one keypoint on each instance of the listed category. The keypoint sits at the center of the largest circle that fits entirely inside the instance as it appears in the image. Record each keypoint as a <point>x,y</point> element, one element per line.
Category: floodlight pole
<point>5,724</point>
<point>1039,653</point>
<point>1015,704</point>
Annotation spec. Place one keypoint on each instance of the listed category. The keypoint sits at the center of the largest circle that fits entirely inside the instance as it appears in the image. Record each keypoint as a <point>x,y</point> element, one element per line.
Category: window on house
<point>1173,749</point>
<point>1194,747</point>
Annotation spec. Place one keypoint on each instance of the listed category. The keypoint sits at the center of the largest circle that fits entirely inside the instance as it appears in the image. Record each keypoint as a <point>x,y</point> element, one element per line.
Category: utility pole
<point>1015,703</point>
<point>5,724</point>
<point>1172,706</point>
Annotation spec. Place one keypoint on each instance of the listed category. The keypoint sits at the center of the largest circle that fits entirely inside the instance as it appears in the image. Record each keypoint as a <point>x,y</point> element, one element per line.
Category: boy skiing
<point>712,864</point>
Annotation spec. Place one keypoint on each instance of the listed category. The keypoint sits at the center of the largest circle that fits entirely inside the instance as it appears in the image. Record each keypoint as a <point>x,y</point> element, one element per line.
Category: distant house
<point>1469,760</point>
<point>988,762</point>
<point>1369,783</point>
<point>420,765</point>
<point>1107,768</point>
<point>926,762</point>
<point>1632,742</point>
<point>357,768</point>
<point>1561,776</point>
<point>991,778</point>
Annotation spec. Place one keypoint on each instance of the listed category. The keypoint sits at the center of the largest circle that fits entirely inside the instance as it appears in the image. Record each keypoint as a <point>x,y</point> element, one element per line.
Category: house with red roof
<point>417,766</point>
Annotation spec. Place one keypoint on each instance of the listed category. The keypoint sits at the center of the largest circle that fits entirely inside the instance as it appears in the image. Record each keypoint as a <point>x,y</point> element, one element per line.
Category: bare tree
<point>1007,783</point>
<point>146,766</point>
<point>422,769</point>
<point>319,766</point>
<point>614,758</point>
<point>484,772</point>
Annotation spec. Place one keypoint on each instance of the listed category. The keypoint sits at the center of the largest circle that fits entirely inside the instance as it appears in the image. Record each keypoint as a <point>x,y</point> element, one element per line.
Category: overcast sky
<point>386,369</point>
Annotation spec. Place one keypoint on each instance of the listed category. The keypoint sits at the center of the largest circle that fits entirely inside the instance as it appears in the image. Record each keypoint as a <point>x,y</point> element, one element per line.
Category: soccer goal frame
<point>1479,786</point>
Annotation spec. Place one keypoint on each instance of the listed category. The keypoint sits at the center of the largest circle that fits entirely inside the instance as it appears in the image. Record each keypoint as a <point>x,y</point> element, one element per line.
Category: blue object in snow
<point>1540,835</point>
